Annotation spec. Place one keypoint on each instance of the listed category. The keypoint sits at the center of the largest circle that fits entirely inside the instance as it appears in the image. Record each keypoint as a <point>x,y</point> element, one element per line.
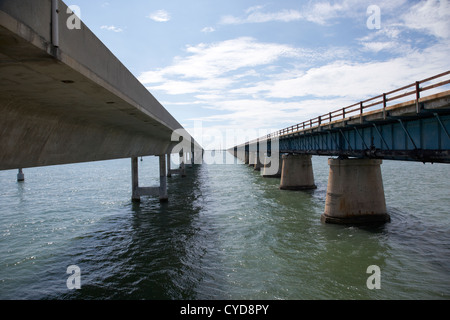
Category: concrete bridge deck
<point>65,98</point>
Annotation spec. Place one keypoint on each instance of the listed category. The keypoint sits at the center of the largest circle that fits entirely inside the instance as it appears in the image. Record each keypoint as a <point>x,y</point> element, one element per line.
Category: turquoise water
<point>226,233</point>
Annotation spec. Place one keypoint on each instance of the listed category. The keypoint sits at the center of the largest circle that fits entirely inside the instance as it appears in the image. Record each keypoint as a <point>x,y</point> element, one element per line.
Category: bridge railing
<point>378,103</point>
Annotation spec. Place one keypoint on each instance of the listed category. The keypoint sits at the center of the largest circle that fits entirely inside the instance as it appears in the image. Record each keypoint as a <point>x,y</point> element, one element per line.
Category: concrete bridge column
<point>182,165</point>
<point>160,191</point>
<point>355,192</point>
<point>135,196</point>
<point>258,164</point>
<point>188,158</point>
<point>267,165</point>
<point>163,197</point>
<point>169,169</point>
<point>246,157</point>
<point>20,176</point>
<point>251,159</point>
<point>297,173</point>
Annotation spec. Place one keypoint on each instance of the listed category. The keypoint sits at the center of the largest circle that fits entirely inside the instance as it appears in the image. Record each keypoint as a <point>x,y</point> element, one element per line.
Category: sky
<point>234,70</point>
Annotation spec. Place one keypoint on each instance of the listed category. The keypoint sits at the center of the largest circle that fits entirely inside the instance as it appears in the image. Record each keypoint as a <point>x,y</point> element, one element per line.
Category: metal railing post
<point>417,96</point>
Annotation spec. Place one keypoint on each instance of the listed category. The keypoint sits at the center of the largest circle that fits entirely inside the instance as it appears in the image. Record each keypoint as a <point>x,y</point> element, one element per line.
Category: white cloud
<point>254,8</point>
<point>410,27</point>
<point>208,29</point>
<point>247,83</point>
<point>160,16</point>
<point>254,15</point>
<point>213,61</point>
<point>357,81</point>
<point>319,12</point>
<point>174,87</point>
<point>322,12</point>
<point>431,16</point>
<point>291,96</point>
<point>111,28</point>
<point>377,46</point>
<point>326,12</point>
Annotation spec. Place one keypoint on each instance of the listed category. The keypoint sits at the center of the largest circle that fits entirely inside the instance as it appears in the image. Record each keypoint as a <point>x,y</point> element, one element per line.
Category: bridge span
<point>65,98</point>
<point>411,123</point>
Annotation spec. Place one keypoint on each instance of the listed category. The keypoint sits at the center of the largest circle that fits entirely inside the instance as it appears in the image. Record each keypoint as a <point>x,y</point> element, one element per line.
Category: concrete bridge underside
<point>74,102</point>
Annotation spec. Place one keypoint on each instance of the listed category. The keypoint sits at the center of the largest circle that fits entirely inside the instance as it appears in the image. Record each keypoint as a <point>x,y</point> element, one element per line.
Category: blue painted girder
<point>422,138</point>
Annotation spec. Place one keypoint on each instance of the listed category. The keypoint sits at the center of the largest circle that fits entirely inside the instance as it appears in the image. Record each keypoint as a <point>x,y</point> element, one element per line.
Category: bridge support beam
<point>251,159</point>
<point>266,168</point>
<point>163,197</point>
<point>135,196</point>
<point>169,166</point>
<point>189,159</point>
<point>355,193</point>
<point>297,173</point>
<point>258,165</point>
<point>182,165</point>
<point>181,168</point>
<point>160,191</point>
<point>20,176</point>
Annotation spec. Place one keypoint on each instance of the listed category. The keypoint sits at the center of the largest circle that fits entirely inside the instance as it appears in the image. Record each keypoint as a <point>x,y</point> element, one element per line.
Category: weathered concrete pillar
<point>297,173</point>
<point>135,197</point>
<point>182,165</point>
<point>251,159</point>
<point>162,179</point>
<point>188,159</point>
<point>169,170</point>
<point>20,176</point>
<point>159,191</point>
<point>267,171</point>
<point>355,192</point>
<point>246,157</point>
<point>258,164</point>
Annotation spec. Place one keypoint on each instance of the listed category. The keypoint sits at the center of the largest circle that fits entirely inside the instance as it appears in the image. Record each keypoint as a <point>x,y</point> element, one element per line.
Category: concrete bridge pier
<point>189,159</point>
<point>181,169</point>
<point>135,196</point>
<point>182,165</point>
<point>243,156</point>
<point>355,192</point>
<point>267,170</point>
<point>258,164</point>
<point>20,176</point>
<point>160,191</point>
<point>297,172</point>
<point>251,159</point>
<point>163,197</point>
<point>169,165</point>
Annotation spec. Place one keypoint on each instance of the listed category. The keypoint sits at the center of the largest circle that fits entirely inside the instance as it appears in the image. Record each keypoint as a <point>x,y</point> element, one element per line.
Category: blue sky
<point>226,66</point>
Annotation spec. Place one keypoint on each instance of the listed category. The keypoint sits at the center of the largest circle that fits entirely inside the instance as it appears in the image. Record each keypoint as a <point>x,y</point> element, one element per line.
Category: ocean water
<point>226,233</point>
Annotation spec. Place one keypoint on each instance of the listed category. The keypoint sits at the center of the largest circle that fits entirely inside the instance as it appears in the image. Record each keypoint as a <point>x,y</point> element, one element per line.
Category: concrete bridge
<point>65,98</point>
<point>411,123</point>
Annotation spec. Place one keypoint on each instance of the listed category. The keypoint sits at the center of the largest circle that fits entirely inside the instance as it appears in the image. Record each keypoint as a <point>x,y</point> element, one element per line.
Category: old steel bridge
<point>409,123</point>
